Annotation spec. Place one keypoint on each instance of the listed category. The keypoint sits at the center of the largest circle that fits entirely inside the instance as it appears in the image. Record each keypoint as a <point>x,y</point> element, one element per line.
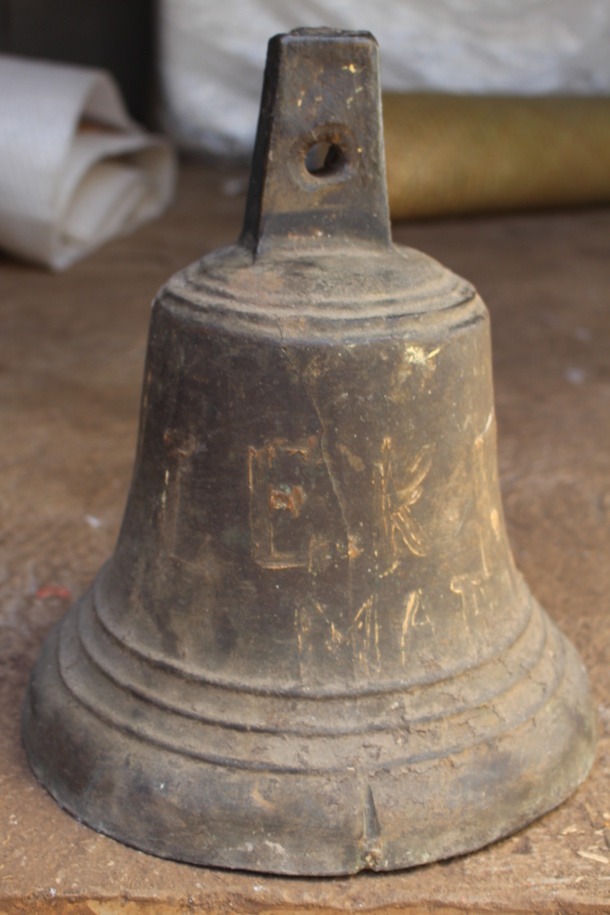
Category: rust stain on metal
<point>290,499</point>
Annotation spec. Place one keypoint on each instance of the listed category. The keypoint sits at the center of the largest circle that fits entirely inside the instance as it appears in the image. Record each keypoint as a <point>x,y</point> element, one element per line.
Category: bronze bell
<point>311,652</point>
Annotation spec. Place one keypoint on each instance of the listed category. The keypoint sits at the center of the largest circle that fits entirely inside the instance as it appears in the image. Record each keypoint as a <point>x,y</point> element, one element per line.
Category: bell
<point>311,652</point>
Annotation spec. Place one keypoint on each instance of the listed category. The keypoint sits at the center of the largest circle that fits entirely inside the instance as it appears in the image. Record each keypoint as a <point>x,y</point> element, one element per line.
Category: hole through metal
<point>323,159</point>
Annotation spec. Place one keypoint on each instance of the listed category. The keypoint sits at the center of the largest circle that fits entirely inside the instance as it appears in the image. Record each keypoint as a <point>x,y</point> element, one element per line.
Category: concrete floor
<point>71,356</point>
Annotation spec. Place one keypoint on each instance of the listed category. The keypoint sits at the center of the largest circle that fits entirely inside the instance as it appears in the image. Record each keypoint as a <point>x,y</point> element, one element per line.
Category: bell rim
<point>566,713</point>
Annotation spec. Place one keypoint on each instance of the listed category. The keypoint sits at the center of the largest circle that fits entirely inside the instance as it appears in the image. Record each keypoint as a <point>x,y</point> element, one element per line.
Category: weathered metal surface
<point>311,651</point>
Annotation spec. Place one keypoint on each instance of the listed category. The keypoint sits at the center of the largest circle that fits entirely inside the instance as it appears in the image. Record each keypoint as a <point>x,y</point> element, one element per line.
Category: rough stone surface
<point>71,355</point>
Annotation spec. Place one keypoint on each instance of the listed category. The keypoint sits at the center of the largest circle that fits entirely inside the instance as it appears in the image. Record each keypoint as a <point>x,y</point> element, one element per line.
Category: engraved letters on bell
<point>311,652</point>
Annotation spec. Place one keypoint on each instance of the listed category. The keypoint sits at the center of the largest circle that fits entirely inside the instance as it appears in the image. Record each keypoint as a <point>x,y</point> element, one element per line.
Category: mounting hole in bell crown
<point>324,155</point>
<point>323,159</point>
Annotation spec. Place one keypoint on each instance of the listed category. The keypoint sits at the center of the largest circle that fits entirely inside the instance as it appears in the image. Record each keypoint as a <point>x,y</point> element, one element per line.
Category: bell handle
<point>318,168</point>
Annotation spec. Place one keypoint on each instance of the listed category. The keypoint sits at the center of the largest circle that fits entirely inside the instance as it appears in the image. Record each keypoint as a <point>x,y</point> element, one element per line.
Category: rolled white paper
<point>75,170</point>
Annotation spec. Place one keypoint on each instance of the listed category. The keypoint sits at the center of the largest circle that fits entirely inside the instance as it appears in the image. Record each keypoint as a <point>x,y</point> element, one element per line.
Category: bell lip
<point>567,719</point>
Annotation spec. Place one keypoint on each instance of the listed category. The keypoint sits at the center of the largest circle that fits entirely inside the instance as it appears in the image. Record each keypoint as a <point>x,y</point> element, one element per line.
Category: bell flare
<point>429,776</point>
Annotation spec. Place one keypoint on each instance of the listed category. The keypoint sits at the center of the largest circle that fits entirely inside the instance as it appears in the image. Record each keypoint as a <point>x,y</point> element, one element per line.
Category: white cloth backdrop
<point>74,168</point>
<point>212,54</point>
